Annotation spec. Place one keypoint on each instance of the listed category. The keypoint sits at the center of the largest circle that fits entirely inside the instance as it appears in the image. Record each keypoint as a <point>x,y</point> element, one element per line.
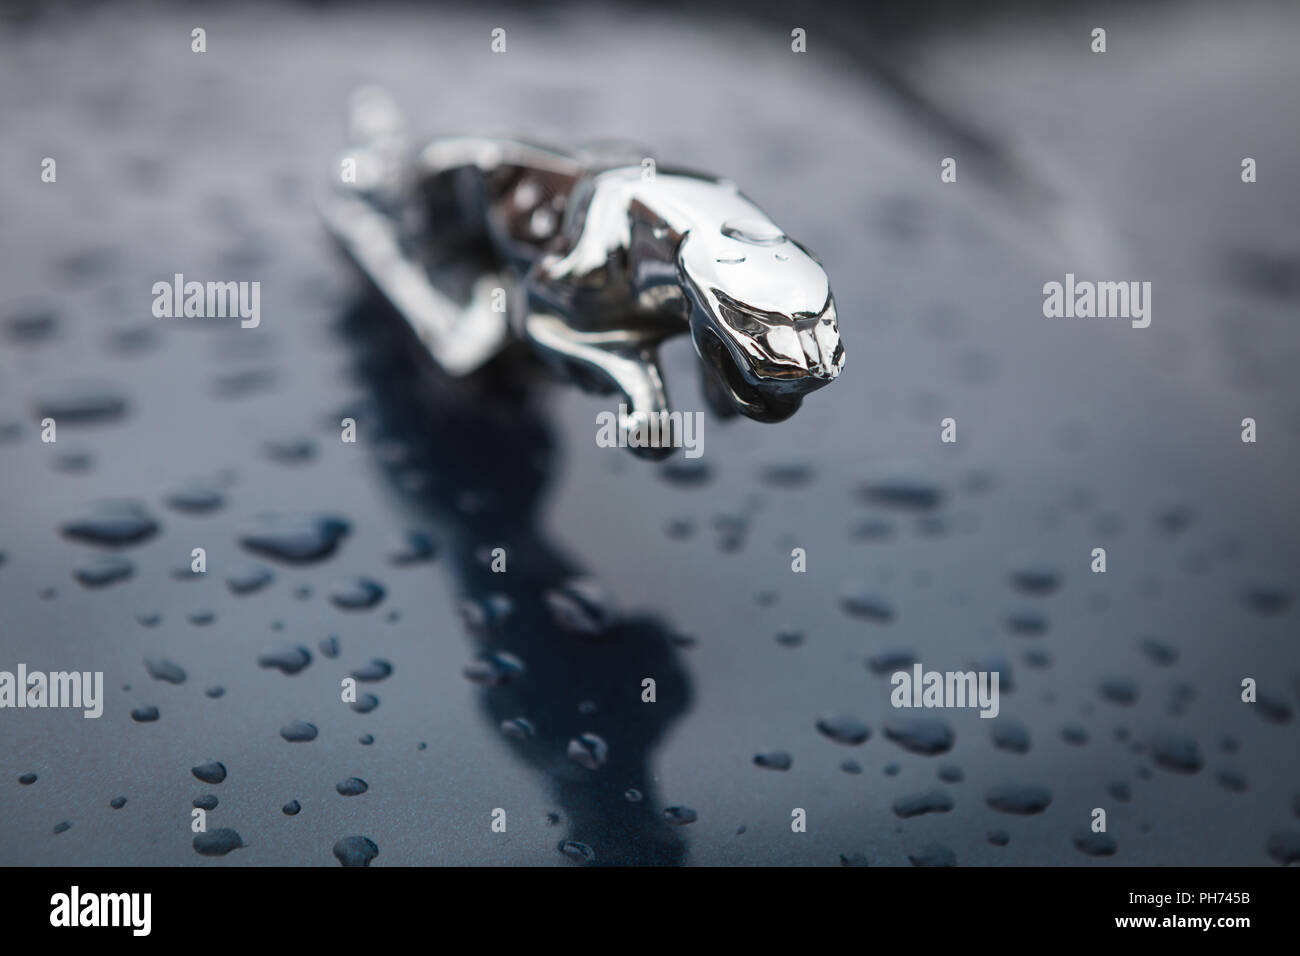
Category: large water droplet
<point>844,730</point>
<point>299,731</point>
<point>296,538</point>
<point>103,570</point>
<point>932,801</point>
<point>355,851</point>
<point>1023,800</point>
<point>213,772</point>
<point>160,668</point>
<point>920,735</point>
<point>357,594</point>
<point>217,842</point>
<point>113,524</point>
<point>589,750</point>
<point>352,786</point>
<point>287,660</point>
<point>774,760</point>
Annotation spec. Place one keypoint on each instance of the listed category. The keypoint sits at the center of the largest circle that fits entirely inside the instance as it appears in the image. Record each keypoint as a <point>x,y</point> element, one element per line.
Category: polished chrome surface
<point>599,256</point>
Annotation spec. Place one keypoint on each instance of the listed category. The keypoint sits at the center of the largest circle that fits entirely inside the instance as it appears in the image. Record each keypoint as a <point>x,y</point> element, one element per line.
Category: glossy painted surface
<point>1072,435</point>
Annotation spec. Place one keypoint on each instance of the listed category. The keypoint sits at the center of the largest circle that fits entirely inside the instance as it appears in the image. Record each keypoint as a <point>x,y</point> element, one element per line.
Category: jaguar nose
<point>822,351</point>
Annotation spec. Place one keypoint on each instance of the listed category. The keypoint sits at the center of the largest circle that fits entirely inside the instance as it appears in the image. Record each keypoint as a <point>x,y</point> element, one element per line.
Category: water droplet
<point>213,772</point>
<point>1010,735</point>
<point>1019,799</point>
<point>1074,734</point>
<point>868,607</point>
<point>113,524</point>
<point>207,801</point>
<point>217,842</point>
<point>215,691</point>
<point>581,607</point>
<point>1157,652</point>
<point>999,837</point>
<point>1118,690</point>
<point>1027,624</point>
<point>951,773</point>
<point>414,547</point>
<point>903,494</point>
<point>63,827</point>
<point>686,473</point>
<point>30,325</point>
<point>851,766</point>
<point>357,594</point>
<point>351,787</point>
<point>680,816</point>
<point>103,570</point>
<point>1175,519</point>
<point>844,730</point>
<point>633,795</point>
<point>291,809</point>
<point>933,854</point>
<point>732,530</point>
<point>854,859</point>
<point>365,704</point>
<point>920,735</point>
<point>589,750</point>
<point>194,499</point>
<point>775,760</point>
<point>117,803</point>
<point>1177,753</point>
<point>145,715</point>
<point>366,740</point>
<point>296,538</point>
<point>577,852</point>
<point>493,670</point>
<point>932,801</point>
<point>290,451</point>
<point>873,529</point>
<point>161,668</point>
<point>74,462</point>
<point>1267,599</point>
<point>1231,780</point>
<point>1120,790</point>
<point>355,851</point>
<point>299,731</point>
<point>891,660</point>
<point>1038,582</point>
<point>82,403</point>
<point>376,670</point>
<point>518,728</point>
<point>1095,844</point>
<point>1273,709</point>
<point>287,660</point>
<point>787,475</point>
<point>249,579</point>
<point>789,638</point>
<point>1284,846</point>
<point>27,779</point>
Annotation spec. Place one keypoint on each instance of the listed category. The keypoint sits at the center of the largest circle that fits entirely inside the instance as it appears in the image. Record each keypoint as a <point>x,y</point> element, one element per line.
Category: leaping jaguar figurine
<point>594,257</point>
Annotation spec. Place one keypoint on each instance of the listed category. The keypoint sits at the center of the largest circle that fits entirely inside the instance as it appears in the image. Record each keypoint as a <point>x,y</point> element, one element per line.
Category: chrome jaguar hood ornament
<point>592,257</point>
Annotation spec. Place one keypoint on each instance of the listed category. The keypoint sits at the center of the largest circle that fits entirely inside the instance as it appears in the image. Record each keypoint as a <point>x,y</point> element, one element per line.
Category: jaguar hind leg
<point>367,206</point>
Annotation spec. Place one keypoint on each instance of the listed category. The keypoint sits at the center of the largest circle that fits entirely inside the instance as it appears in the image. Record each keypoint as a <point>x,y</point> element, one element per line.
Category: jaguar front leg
<point>610,361</point>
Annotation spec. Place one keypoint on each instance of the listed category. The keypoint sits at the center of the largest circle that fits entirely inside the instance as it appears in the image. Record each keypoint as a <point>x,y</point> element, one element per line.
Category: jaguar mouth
<point>730,382</point>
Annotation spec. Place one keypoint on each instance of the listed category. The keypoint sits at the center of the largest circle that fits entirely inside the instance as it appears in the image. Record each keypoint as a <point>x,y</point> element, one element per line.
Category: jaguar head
<point>762,318</point>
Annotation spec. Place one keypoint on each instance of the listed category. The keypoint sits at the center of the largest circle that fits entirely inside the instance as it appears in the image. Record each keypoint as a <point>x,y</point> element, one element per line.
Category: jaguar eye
<point>742,321</point>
